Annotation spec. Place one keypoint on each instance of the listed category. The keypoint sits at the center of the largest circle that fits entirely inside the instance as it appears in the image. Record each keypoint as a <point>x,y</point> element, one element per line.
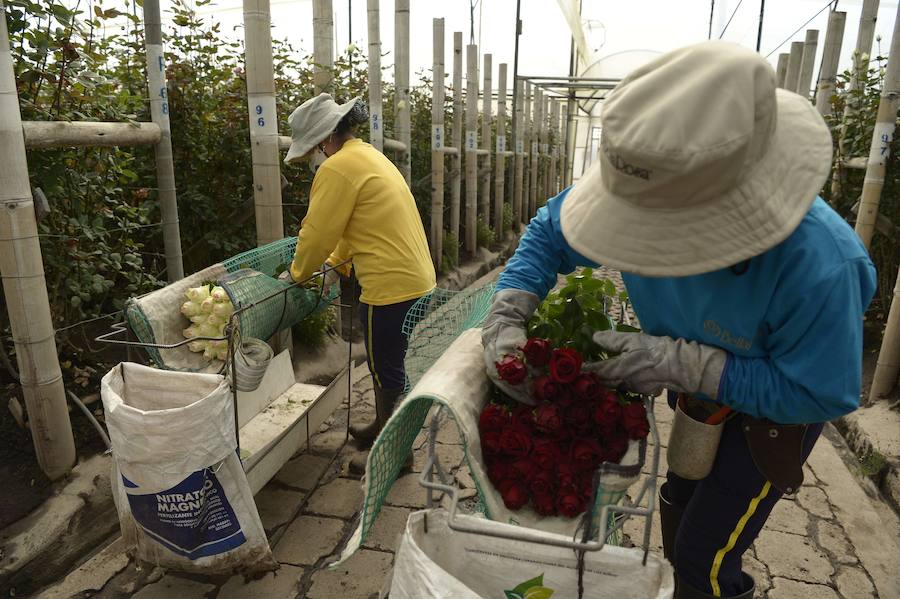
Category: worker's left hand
<point>286,276</point>
<point>647,364</point>
<point>332,276</point>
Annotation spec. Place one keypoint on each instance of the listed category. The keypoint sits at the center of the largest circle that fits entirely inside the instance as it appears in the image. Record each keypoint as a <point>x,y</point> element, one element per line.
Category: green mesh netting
<point>436,320</point>
<point>140,327</point>
<point>271,259</point>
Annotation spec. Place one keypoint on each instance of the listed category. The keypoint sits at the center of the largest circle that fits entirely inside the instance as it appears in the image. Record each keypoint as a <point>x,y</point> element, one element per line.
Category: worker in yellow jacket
<point>361,209</point>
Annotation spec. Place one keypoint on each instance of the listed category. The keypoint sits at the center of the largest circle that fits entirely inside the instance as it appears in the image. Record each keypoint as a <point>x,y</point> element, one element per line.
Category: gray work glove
<point>286,276</point>
<point>503,333</point>
<point>649,364</point>
<point>332,276</point>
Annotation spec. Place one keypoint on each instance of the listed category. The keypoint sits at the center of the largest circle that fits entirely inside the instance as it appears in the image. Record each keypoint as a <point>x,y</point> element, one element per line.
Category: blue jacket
<point>791,322</point>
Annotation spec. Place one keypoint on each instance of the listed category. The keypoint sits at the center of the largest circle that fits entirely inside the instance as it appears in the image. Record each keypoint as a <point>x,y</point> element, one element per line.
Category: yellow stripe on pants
<point>732,539</point>
<point>371,348</point>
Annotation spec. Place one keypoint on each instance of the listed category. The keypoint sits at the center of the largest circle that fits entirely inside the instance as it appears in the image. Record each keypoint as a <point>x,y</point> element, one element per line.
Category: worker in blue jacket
<point>749,289</point>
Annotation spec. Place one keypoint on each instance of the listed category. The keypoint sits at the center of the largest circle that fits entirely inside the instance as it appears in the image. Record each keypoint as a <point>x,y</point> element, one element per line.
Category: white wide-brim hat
<point>703,164</point>
<point>312,122</point>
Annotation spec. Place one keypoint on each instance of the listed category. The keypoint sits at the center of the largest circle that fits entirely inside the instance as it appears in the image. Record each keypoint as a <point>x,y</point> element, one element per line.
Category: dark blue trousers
<point>724,513</point>
<point>386,343</point>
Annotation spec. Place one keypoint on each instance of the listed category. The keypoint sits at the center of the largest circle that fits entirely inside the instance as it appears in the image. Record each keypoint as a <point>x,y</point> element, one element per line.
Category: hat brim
<point>752,218</point>
<point>301,145</point>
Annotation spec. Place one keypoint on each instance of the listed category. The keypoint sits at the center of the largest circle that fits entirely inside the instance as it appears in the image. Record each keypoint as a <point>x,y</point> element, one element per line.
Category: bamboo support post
<point>528,139</point>
<point>808,62</point>
<point>887,367</point>
<point>500,172</point>
<point>458,118</point>
<point>554,149</point>
<point>792,77</point>
<point>401,83</point>
<point>25,287</point>
<point>882,136</point>
<point>323,46</point>
<point>263,122</point>
<point>165,167</point>
<point>437,145</point>
<point>564,147</point>
<point>485,168</point>
<point>781,69</point>
<point>471,147</point>
<point>544,152</point>
<point>376,122</point>
<point>62,134</point>
<point>519,158</point>
<point>831,54</point>
<point>536,103</point>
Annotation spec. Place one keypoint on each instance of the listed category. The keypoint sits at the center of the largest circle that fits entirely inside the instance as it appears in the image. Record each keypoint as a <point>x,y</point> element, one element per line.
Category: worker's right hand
<point>503,334</point>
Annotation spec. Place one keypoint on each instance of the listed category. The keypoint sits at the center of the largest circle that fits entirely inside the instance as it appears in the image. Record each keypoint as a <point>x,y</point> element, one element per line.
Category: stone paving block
<point>327,443</point>
<point>793,589</point>
<point>853,583</point>
<point>787,516</point>
<point>341,498</point>
<point>389,525</point>
<point>281,584</point>
<point>450,456</point>
<point>92,575</point>
<point>814,500</point>
<point>634,528</point>
<point>170,586</point>
<point>303,472</point>
<point>663,461</point>
<point>793,556</point>
<point>448,433</point>
<point>757,570</point>
<point>360,577</point>
<point>833,539</point>
<point>407,492</point>
<point>307,539</point>
<point>277,506</point>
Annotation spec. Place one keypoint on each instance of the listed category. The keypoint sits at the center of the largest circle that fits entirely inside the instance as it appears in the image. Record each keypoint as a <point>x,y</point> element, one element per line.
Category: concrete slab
<point>303,472</point>
<point>281,584</point>
<point>92,575</point>
<point>852,583</point>
<point>309,539</point>
<point>407,492</point>
<point>170,586</point>
<point>787,516</point>
<point>832,538</point>
<point>341,498</point>
<point>360,577</point>
<point>793,589</point>
<point>277,506</point>
<point>793,556</point>
<point>389,526</point>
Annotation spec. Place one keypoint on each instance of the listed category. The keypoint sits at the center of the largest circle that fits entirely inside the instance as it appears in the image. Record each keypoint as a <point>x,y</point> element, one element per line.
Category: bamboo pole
<point>456,159</point>
<point>536,104</point>
<point>25,288</point>
<point>544,156</point>
<point>792,78</point>
<point>887,366</point>
<point>323,46</point>
<point>831,54</point>
<point>376,122</point>
<point>500,171</point>
<point>882,136</point>
<point>564,146</point>
<point>485,169</point>
<point>165,167</point>
<point>65,134</point>
<point>471,147</point>
<point>808,62</point>
<point>527,154</point>
<point>554,148</point>
<point>519,150</point>
<point>437,144</point>
<point>401,83</point>
<point>781,69</point>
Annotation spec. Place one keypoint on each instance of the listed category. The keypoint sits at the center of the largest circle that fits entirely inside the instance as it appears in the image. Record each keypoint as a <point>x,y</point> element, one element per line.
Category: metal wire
<point>788,38</point>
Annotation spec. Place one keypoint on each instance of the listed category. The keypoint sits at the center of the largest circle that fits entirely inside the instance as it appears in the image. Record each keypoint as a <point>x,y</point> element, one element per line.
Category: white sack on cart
<point>179,487</point>
<point>446,564</point>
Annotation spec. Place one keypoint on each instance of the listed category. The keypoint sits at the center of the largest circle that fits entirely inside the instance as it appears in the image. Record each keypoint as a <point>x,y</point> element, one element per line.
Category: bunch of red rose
<point>548,453</point>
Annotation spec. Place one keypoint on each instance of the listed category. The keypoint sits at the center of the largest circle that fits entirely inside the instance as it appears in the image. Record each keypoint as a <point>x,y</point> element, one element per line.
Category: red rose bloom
<point>586,454</point>
<point>493,418</point>
<point>548,419</point>
<point>607,411</point>
<point>616,442</point>
<point>587,387</point>
<point>490,443</point>
<point>545,389</point>
<point>514,493</point>
<point>537,352</point>
<point>580,415</point>
<point>544,504</point>
<point>570,504</point>
<point>545,453</point>
<point>542,483</point>
<point>511,369</point>
<point>524,469</point>
<point>565,365</point>
<point>522,418</point>
<point>634,418</point>
<point>499,470</point>
<point>515,443</point>
<point>566,477</point>
<point>586,484</point>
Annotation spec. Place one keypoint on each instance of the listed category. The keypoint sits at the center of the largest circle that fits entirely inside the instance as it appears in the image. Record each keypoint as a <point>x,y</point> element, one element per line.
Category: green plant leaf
<point>537,581</point>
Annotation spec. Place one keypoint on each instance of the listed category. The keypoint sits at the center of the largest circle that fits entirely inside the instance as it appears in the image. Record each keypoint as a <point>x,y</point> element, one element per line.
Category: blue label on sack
<point>193,519</point>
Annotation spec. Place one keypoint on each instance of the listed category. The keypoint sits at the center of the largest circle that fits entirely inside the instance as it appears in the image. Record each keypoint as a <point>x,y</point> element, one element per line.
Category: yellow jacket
<point>360,208</point>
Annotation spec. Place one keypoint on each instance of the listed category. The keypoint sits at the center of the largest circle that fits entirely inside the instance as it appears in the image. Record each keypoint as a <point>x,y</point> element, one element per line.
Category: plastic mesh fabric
<point>436,320</point>
<point>271,259</point>
<point>140,327</point>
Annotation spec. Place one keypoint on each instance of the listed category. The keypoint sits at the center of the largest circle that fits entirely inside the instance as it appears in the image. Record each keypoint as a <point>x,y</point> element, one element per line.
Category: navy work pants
<point>385,342</point>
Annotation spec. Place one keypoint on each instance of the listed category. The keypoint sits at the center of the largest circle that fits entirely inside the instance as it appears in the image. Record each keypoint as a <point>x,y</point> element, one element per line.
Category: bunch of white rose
<point>208,309</point>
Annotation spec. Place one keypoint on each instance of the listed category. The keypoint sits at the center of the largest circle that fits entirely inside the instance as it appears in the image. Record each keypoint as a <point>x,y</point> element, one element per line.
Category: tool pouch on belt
<point>777,451</point>
<point>693,443</point>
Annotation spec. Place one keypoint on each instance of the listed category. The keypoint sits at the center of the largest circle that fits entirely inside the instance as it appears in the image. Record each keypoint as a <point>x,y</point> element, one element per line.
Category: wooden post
<point>519,158</point>
<point>485,170</point>
<point>25,288</point>
<point>781,69</point>
<point>792,78</point>
<point>165,168</point>
<point>456,159</point>
<point>808,62</point>
<point>401,83</point>
<point>500,172</point>
<point>887,366</point>
<point>554,149</point>
<point>564,147</point>
<point>323,46</point>
<point>471,147</point>
<point>61,134</point>
<point>834,37</point>
<point>376,122</point>
<point>263,124</point>
<point>882,137</point>
<point>526,155</point>
<point>544,152</point>
<point>437,145</point>
<point>536,104</point>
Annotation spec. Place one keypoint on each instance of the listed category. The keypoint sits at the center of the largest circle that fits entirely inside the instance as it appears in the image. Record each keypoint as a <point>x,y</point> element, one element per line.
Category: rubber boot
<point>670,515</point>
<point>385,402</point>
<point>684,591</point>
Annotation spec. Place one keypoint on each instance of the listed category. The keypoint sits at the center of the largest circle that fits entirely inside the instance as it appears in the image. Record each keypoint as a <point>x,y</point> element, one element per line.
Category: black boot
<point>684,591</point>
<point>385,401</point>
<point>670,519</point>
